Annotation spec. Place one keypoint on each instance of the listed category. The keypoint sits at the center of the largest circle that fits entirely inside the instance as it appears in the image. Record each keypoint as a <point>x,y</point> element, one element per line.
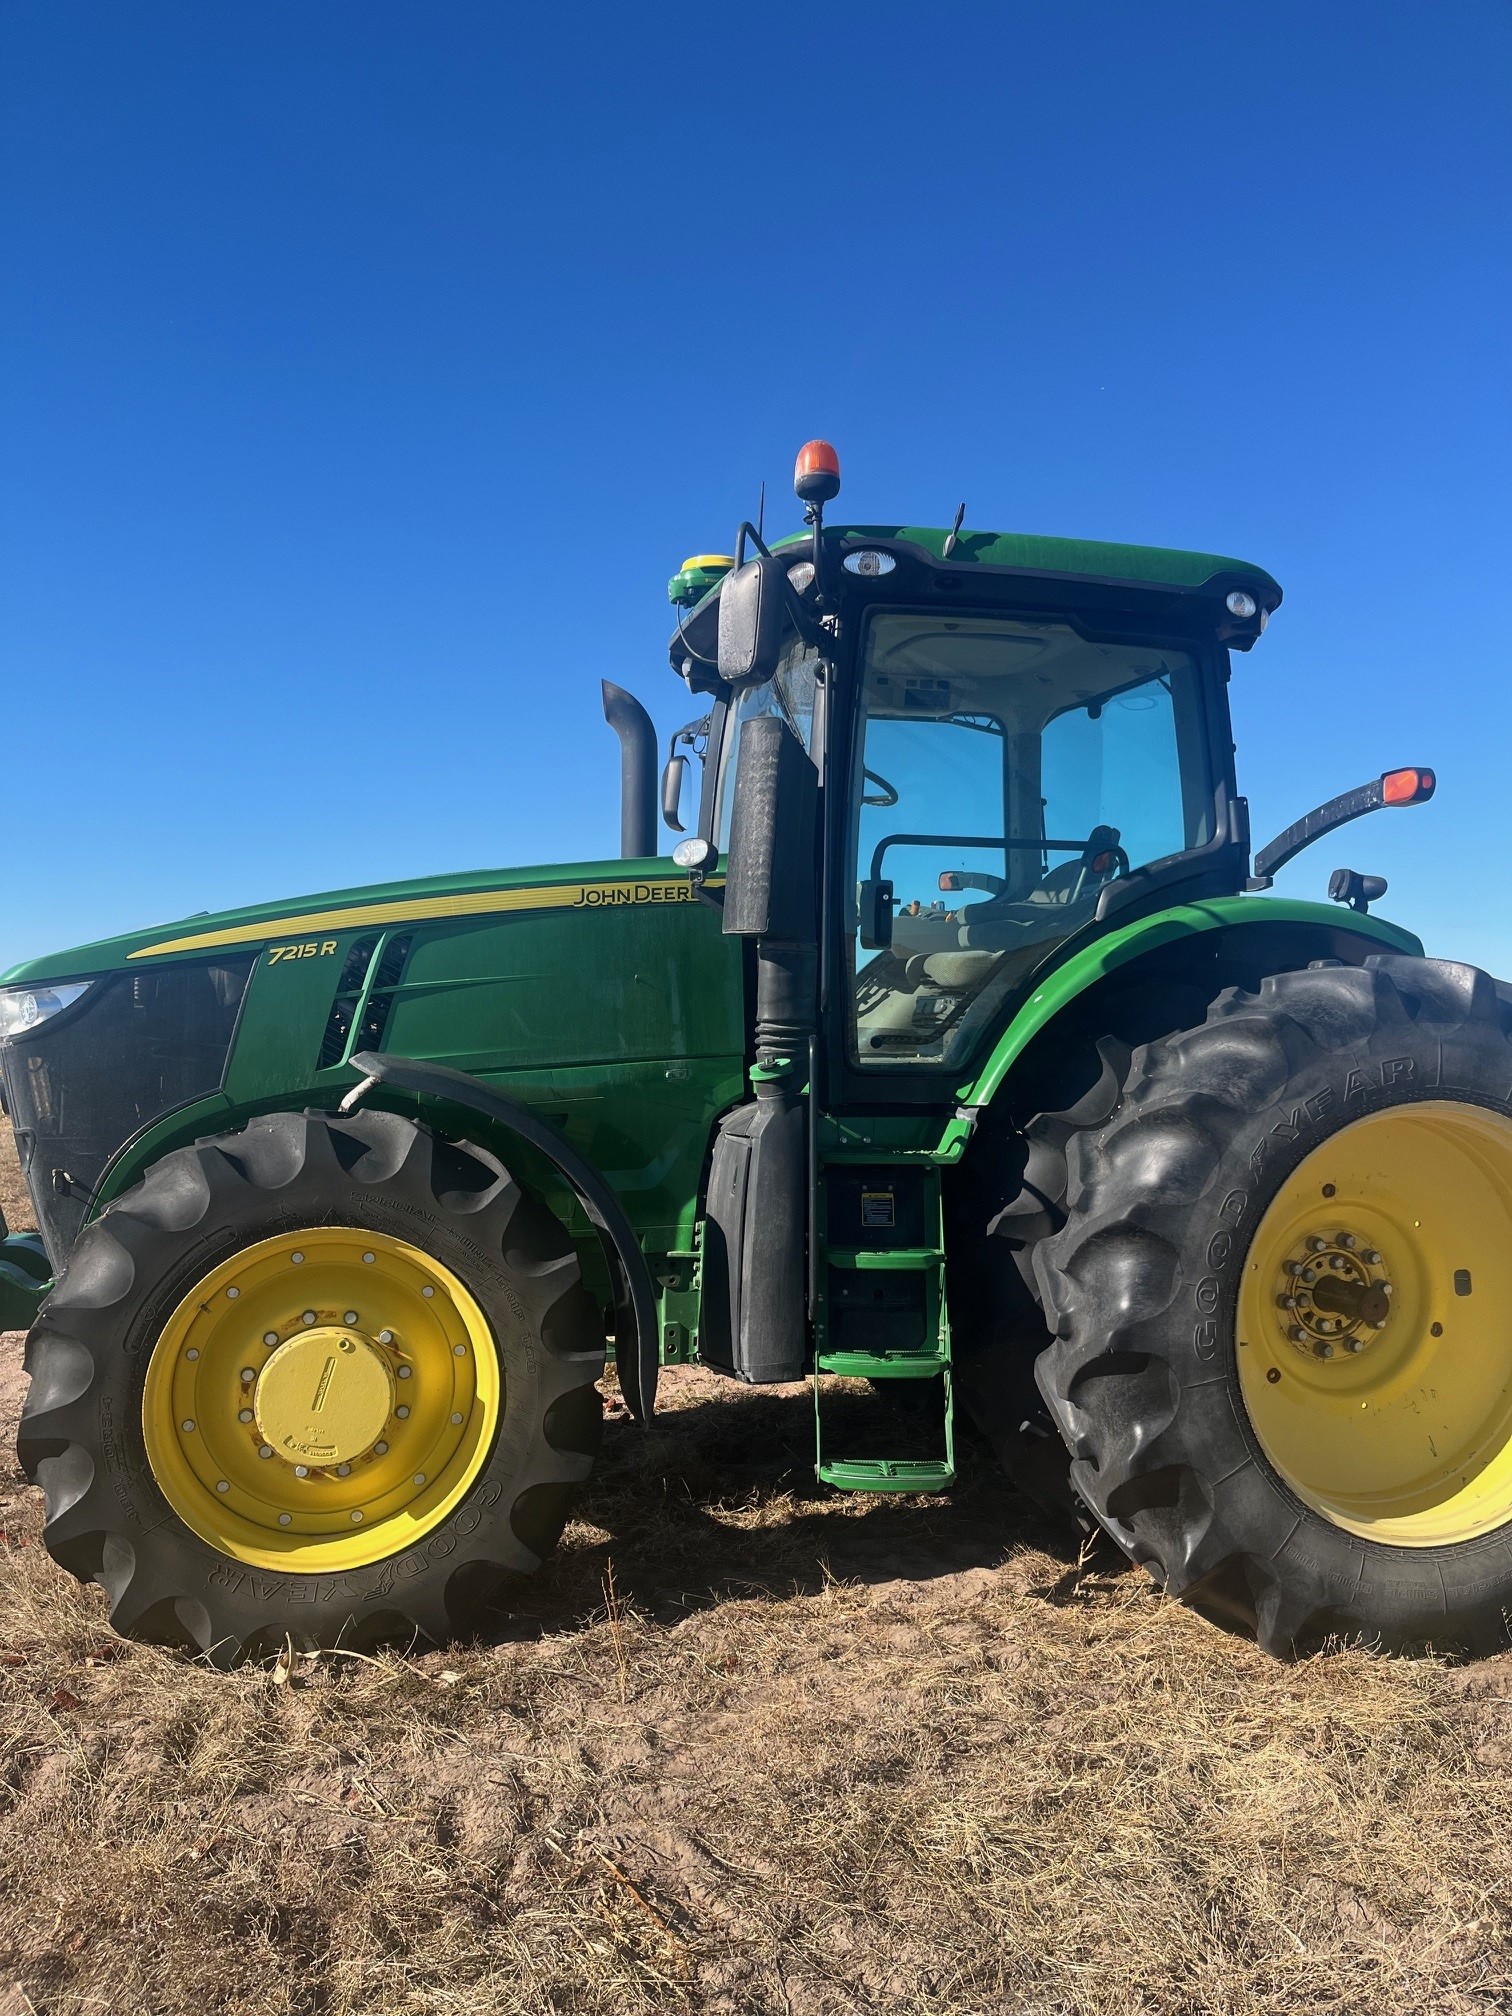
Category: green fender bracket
<point>25,1277</point>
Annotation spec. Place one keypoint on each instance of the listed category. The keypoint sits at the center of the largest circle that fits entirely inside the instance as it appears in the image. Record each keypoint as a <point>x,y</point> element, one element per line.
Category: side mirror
<point>752,604</point>
<point>877,901</point>
<point>671,791</point>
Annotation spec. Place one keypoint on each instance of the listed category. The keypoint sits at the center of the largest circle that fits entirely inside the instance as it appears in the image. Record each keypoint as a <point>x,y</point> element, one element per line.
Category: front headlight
<point>23,1008</point>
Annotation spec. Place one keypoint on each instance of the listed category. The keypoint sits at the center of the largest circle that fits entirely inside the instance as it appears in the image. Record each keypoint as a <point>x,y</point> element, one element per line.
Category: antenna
<point>761,512</point>
<point>954,532</point>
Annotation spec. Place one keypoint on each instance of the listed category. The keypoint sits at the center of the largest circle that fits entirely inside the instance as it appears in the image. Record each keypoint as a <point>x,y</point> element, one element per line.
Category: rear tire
<point>1339,1468</point>
<point>119,1329</point>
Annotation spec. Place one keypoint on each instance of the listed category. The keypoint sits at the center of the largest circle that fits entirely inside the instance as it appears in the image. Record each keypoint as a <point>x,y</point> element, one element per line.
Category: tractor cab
<point>1017,741</point>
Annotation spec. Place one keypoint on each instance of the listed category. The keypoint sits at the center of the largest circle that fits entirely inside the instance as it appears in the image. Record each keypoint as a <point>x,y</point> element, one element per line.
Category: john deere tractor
<point>953,1050</point>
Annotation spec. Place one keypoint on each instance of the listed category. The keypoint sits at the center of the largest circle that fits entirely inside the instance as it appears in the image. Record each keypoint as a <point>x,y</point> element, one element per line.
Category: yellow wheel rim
<point>321,1400</point>
<point>1375,1326</point>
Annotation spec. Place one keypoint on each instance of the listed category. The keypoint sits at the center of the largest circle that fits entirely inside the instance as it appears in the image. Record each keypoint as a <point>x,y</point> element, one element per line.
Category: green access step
<point>885,1260</point>
<point>883,1364</point>
<point>886,1473</point>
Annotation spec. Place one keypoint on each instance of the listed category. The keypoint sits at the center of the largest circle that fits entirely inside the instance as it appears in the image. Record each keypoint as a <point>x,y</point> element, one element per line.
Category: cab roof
<point>1082,559</point>
<point>1104,574</point>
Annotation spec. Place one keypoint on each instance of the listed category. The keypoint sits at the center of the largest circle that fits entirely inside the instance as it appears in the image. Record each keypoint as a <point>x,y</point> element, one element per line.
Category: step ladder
<point>929,1360</point>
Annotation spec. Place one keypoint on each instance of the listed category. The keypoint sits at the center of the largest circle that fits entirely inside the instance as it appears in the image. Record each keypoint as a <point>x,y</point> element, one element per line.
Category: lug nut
<point>1336,1261</point>
<point>351,1316</point>
<point>270,1338</point>
<point>1294,1266</point>
<point>1346,1240</point>
<point>380,1448</point>
<point>248,1375</point>
<point>403,1372</point>
<point>301,1469</point>
<point>1372,1259</point>
<point>285,1518</point>
<point>385,1336</point>
<point>1325,1350</point>
<point>1355,1344</point>
<point>244,1415</point>
<point>309,1316</point>
<point>402,1413</point>
<point>1315,1244</point>
<point>343,1469</point>
<point>1309,1275</point>
<point>1286,1301</point>
<point>1297,1334</point>
<point>265,1452</point>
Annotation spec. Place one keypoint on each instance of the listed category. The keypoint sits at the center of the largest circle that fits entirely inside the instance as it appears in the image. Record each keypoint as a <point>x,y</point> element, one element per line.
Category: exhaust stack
<point>637,737</point>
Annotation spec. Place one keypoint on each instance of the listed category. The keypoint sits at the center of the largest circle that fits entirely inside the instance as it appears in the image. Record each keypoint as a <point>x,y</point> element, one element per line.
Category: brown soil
<point>750,1748</point>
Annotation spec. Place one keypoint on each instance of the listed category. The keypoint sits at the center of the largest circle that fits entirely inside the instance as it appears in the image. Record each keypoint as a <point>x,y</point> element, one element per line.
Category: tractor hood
<point>119,1048</point>
<point>302,919</point>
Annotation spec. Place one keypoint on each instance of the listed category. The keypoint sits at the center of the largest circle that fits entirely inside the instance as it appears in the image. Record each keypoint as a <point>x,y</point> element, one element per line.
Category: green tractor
<point>952,1049</point>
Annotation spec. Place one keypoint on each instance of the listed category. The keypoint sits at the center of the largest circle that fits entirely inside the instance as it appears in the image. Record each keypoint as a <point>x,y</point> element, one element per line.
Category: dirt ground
<point>755,1749</point>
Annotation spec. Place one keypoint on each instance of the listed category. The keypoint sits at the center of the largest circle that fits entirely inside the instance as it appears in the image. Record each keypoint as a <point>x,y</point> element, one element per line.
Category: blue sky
<point>365,369</point>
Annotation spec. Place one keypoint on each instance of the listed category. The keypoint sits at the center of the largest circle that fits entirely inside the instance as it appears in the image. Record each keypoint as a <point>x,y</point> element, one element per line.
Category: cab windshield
<point>1007,773</point>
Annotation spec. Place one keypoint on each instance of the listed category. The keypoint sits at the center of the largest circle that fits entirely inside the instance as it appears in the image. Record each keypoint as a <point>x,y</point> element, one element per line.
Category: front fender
<point>634,1294</point>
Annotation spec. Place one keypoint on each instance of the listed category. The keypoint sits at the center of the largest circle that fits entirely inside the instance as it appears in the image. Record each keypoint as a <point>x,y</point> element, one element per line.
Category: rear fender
<point>1270,934</point>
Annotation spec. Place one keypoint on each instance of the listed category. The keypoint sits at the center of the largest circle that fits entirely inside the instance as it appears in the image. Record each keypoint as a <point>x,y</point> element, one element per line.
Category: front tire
<point>234,1467</point>
<point>1281,1361</point>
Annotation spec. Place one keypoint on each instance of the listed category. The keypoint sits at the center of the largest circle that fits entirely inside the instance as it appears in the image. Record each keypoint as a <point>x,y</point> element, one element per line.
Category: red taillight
<point>816,474</point>
<point>1407,787</point>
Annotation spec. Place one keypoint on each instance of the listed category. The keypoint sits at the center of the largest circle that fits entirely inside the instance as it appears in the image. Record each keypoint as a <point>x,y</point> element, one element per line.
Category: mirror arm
<point>1410,787</point>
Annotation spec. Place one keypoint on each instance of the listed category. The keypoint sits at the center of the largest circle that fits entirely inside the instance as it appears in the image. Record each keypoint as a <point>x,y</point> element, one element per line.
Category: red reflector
<point>1407,787</point>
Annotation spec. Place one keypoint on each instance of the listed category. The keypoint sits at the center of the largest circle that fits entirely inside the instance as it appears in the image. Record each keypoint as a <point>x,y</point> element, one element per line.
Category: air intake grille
<point>348,993</point>
<point>380,1002</point>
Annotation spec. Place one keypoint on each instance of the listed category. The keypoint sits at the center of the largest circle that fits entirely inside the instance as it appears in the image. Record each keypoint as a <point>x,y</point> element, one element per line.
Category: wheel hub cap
<point>1333,1294</point>
<point>324,1397</point>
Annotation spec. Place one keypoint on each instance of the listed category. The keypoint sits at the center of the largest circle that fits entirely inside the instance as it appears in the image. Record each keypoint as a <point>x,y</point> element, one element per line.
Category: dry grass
<point>757,1750</point>
<point>14,1201</point>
